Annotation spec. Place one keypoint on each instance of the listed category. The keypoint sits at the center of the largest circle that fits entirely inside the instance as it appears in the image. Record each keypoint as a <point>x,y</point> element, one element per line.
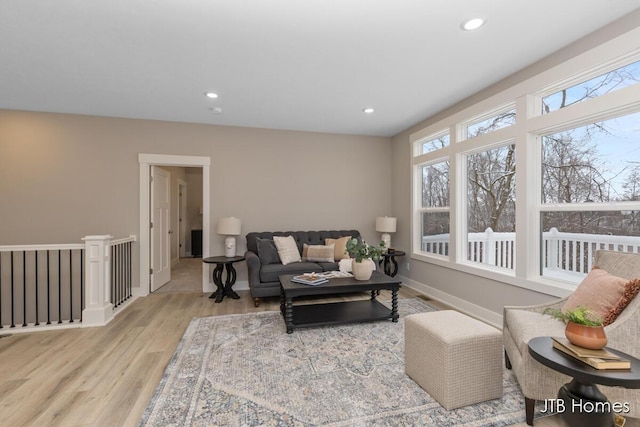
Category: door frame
<point>145,162</point>
<point>181,235</point>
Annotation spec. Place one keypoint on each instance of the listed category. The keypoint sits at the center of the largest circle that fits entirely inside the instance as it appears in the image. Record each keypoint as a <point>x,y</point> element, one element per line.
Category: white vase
<point>363,270</point>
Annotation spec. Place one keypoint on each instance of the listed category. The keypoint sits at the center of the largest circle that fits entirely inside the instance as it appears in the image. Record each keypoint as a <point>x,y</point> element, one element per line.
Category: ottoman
<point>453,357</point>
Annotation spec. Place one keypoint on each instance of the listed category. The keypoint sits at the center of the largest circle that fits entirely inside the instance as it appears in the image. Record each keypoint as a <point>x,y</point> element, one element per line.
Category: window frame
<point>526,132</point>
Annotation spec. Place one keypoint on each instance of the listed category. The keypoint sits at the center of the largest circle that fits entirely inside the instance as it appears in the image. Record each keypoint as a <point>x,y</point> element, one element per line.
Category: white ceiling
<point>286,64</point>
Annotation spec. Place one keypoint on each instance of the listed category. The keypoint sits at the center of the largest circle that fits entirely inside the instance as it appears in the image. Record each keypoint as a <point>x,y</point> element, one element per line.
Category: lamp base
<point>230,246</point>
<point>386,238</point>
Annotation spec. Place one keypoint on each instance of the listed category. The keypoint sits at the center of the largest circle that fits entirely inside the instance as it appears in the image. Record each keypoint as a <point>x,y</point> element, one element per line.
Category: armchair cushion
<point>600,292</point>
<point>531,324</point>
<point>631,290</point>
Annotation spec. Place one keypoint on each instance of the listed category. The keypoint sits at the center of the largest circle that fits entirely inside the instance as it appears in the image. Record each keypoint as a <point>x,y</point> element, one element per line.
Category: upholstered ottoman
<point>453,357</point>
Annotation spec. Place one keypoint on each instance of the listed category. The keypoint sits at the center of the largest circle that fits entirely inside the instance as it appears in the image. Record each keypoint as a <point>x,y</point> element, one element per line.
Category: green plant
<point>361,250</point>
<point>580,315</point>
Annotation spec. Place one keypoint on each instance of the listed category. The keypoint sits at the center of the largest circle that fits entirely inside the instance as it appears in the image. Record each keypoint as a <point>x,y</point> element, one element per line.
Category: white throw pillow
<point>287,249</point>
<point>345,265</point>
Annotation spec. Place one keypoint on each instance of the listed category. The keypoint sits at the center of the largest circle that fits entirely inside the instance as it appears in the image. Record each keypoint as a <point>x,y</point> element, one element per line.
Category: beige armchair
<point>521,323</point>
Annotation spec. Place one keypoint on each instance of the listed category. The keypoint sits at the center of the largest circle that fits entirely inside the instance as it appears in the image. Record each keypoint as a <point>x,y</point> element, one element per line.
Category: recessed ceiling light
<point>212,95</point>
<point>472,24</point>
<point>368,110</point>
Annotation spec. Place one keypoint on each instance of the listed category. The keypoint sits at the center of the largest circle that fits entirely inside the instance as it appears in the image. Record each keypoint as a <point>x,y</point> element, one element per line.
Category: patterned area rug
<point>245,370</point>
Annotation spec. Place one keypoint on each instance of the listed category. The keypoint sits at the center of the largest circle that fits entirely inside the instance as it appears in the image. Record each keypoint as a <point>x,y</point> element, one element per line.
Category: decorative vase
<point>362,270</point>
<point>592,337</point>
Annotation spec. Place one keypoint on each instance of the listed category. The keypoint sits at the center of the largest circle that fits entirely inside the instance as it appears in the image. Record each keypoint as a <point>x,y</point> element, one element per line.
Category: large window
<point>491,210</point>
<point>435,208</point>
<point>577,169</point>
<point>432,178</point>
<point>596,165</point>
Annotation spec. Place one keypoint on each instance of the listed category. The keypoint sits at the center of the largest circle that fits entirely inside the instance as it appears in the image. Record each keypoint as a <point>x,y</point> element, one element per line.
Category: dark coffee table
<point>582,391</point>
<point>335,313</point>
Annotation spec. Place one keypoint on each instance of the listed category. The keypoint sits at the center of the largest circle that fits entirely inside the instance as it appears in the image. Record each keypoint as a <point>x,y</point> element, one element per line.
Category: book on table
<point>599,359</point>
<point>310,279</point>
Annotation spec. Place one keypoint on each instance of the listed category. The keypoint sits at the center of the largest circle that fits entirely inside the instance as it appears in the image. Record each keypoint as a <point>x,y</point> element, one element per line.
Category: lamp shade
<point>386,224</point>
<point>229,226</point>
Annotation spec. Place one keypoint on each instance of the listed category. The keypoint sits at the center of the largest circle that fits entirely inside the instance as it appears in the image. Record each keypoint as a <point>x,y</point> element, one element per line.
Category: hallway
<point>186,276</point>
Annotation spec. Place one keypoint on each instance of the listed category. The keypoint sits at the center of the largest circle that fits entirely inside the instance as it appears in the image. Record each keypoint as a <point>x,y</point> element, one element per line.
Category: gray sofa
<point>263,277</point>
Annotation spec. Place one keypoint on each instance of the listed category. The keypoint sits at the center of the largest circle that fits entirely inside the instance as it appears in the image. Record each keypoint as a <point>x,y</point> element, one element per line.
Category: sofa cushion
<point>267,252</point>
<point>340,245</point>
<point>271,272</point>
<point>317,253</point>
<point>287,249</point>
<point>301,237</point>
<point>328,266</point>
<point>600,292</point>
<point>524,325</point>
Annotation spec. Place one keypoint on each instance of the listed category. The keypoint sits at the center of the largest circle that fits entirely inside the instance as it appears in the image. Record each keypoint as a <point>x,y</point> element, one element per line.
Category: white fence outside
<point>570,253</point>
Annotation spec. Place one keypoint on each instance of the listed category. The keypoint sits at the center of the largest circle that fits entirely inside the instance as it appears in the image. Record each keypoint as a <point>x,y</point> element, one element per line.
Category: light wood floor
<point>103,376</point>
<point>106,376</point>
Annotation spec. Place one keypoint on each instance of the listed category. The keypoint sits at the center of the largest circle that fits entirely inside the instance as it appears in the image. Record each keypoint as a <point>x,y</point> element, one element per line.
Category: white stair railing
<point>64,285</point>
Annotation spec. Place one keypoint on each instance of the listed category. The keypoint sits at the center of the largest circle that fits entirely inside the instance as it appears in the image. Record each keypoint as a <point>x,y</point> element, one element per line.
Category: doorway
<point>145,162</point>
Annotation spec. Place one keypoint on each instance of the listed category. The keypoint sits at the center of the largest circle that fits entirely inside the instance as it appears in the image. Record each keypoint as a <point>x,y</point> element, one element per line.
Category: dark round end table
<point>224,289</point>
<point>582,393</point>
<point>390,263</point>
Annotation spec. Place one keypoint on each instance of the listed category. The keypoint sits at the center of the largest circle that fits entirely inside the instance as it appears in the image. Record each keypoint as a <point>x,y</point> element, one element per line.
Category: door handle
<point>170,231</point>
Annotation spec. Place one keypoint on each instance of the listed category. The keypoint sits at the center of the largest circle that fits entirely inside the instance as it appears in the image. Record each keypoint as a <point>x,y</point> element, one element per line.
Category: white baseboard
<point>473,310</point>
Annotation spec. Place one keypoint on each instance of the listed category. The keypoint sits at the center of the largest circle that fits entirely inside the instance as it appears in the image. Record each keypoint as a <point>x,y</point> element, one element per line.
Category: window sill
<point>556,288</point>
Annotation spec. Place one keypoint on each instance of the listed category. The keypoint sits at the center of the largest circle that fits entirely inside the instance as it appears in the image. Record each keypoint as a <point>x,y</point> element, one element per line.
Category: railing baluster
<point>70,286</point>
<point>48,288</point>
<point>59,286</point>
<point>81,282</point>
<point>13,323</point>
<point>24,288</point>
<point>37,290</point>
<point>1,291</point>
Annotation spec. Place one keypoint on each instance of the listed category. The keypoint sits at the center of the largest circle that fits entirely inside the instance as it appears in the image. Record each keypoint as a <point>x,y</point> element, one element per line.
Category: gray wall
<point>63,177</point>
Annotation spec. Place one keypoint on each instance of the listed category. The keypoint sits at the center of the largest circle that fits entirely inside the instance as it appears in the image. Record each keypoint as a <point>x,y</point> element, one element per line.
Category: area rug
<point>245,370</point>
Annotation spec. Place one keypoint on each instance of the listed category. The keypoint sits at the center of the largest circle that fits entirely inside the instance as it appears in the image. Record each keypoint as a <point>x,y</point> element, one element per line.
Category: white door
<point>160,228</point>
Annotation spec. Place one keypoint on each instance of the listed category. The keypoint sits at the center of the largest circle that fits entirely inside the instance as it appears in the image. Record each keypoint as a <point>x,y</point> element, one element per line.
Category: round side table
<point>582,392</point>
<point>390,262</point>
<point>224,289</point>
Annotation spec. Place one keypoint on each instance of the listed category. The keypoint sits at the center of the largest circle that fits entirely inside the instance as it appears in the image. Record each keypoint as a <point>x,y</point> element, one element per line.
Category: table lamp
<point>386,225</point>
<point>229,227</point>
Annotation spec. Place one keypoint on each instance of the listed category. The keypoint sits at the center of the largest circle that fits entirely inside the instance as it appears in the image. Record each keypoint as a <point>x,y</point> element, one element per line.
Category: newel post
<point>98,309</point>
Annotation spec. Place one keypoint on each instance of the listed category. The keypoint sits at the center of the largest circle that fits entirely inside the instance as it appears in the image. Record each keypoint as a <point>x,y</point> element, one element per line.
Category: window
<point>491,211</point>
<point>605,83</point>
<point>433,144</point>
<point>599,162</point>
<point>594,165</point>
<point>491,124</point>
<point>434,217</point>
<point>578,177</point>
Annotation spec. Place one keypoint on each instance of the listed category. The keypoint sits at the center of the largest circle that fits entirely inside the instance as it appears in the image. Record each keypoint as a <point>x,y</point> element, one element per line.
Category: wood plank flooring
<point>103,376</point>
<point>106,376</point>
